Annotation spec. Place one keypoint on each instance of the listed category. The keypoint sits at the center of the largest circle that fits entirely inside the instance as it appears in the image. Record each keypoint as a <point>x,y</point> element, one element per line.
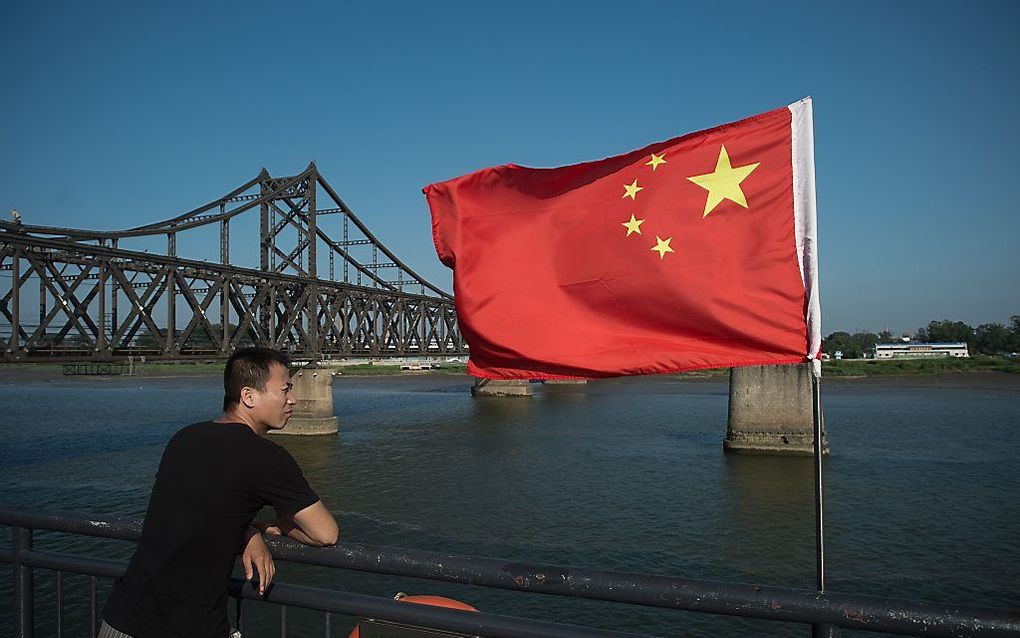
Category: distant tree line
<point>987,338</point>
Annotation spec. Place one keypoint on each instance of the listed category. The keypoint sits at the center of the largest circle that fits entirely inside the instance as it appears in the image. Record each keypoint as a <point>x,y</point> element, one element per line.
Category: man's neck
<point>234,416</point>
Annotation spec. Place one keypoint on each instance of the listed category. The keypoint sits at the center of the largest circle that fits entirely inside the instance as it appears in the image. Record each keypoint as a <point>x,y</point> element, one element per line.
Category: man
<point>213,479</point>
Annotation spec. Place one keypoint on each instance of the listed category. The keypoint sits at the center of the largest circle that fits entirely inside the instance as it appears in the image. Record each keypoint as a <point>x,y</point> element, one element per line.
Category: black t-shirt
<point>212,481</point>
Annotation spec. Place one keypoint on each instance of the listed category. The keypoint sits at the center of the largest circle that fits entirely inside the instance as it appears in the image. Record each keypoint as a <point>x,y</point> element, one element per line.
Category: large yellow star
<point>662,246</point>
<point>724,183</point>
<point>656,160</point>
<point>631,190</point>
<point>633,226</point>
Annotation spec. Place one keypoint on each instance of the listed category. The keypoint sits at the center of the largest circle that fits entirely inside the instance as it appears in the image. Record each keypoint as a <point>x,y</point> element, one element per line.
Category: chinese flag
<point>697,252</point>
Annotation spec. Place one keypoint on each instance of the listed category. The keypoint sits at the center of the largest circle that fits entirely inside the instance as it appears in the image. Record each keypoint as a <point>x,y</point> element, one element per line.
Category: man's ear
<point>248,397</point>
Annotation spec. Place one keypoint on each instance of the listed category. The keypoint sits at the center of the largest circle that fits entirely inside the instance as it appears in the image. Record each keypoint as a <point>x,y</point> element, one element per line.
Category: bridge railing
<point>826,611</point>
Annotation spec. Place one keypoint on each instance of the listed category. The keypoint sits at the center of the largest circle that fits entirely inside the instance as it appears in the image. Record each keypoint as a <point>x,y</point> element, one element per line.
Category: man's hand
<point>256,557</point>
<point>279,526</point>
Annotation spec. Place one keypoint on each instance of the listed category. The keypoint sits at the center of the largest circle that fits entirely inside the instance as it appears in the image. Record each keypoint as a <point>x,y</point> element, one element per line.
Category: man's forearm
<point>287,528</point>
<point>298,535</point>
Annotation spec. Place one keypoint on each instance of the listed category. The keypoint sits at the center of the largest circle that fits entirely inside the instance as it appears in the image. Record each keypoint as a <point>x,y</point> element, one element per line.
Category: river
<point>628,474</point>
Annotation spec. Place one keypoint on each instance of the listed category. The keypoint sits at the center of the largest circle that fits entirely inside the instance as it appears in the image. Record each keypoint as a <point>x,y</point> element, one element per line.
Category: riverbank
<point>917,367</point>
<point>846,369</point>
<point>214,369</point>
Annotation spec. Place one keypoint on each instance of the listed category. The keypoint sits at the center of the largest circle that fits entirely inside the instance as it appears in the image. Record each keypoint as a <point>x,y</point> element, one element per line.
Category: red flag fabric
<point>697,252</point>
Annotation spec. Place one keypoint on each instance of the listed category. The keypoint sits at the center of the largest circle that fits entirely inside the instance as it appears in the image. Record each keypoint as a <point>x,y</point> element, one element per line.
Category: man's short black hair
<point>249,368</point>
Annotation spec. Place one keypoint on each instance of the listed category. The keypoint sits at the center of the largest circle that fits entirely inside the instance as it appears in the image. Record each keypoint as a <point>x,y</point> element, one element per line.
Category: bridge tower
<point>106,296</point>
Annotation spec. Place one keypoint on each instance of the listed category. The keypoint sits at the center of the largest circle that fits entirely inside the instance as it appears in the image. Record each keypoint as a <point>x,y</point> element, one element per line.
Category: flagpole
<point>819,630</point>
<point>816,415</point>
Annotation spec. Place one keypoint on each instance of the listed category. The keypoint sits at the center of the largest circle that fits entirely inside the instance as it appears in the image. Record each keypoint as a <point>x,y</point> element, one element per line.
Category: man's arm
<point>313,525</point>
<point>256,558</point>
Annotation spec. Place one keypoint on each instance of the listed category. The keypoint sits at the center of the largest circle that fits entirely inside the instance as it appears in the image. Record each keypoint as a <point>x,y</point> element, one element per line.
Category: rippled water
<point>921,489</point>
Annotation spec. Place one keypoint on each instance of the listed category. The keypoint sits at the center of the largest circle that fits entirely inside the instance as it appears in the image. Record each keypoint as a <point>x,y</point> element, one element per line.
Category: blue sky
<point>121,114</point>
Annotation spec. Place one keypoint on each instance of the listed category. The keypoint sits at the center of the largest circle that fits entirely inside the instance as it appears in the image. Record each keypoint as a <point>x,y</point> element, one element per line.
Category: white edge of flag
<point>805,222</point>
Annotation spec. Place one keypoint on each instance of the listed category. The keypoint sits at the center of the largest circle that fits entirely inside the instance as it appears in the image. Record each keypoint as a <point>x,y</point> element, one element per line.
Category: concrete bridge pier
<point>771,411</point>
<point>313,414</point>
<point>500,388</point>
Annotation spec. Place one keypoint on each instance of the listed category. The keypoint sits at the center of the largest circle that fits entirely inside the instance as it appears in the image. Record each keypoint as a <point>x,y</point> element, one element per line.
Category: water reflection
<point>503,410</point>
<point>568,392</point>
<point>769,504</point>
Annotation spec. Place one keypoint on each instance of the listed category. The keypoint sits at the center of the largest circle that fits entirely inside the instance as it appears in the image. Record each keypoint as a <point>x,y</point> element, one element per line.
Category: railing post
<point>24,607</point>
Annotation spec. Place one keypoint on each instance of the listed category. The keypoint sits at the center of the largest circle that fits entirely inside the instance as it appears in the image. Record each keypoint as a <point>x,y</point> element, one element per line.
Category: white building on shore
<point>918,350</point>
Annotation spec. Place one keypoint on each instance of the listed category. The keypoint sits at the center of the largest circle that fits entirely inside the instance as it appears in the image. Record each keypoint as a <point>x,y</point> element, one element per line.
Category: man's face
<point>274,407</point>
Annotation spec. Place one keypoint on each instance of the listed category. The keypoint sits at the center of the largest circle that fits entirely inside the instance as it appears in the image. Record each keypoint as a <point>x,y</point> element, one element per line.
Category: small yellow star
<point>656,160</point>
<point>724,182</point>
<point>633,226</point>
<point>662,246</point>
<point>632,190</point>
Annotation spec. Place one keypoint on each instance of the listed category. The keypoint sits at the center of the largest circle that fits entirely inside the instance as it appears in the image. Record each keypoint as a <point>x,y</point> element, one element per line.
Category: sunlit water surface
<point>921,489</point>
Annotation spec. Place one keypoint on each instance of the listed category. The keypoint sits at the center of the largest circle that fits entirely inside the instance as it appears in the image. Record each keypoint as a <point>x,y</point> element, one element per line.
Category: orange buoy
<point>435,601</point>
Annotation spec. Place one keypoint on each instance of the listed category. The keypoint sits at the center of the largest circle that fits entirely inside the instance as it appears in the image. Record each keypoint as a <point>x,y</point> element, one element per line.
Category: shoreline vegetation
<point>845,368</point>
<point>918,367</point>
<point>865,368</point>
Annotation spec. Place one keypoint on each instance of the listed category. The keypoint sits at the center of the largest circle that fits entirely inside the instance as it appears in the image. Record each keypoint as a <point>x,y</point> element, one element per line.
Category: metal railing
<point>824,611</point>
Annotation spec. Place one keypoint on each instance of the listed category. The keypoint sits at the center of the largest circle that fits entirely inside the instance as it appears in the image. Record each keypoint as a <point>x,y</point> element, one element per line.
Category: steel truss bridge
<point>72,294</point>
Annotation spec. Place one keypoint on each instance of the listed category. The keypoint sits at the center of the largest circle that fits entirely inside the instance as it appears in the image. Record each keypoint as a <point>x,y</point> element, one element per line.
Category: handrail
<point>852,611</point>
<point>480,623</point>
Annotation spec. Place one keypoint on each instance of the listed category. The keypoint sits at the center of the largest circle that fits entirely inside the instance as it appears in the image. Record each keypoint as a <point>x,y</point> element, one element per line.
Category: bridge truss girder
<point>102,303</point>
